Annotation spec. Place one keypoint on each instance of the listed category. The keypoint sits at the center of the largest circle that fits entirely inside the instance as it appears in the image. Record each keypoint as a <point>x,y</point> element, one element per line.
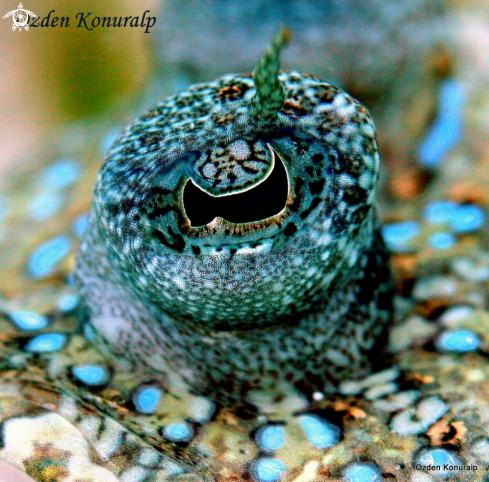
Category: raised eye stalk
<point>269,96</point>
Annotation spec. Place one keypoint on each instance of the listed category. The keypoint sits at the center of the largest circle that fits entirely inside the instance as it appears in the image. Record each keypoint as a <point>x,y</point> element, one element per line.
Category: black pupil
<point>265,200</point>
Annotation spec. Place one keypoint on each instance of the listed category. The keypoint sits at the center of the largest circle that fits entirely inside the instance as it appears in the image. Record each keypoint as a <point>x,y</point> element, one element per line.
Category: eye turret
<point>234,238</point>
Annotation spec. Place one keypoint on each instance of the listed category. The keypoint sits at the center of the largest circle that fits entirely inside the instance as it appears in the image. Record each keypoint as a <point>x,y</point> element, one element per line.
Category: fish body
<point>162,402</point>
<point>235,238</point>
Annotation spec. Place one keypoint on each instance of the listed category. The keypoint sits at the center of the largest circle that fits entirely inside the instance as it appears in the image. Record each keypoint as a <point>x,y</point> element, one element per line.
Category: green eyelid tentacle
<point>269,96</point>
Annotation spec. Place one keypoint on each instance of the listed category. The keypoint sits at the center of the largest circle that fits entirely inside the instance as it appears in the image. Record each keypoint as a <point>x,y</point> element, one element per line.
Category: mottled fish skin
<point>57,428</point>
<point>240,246</point>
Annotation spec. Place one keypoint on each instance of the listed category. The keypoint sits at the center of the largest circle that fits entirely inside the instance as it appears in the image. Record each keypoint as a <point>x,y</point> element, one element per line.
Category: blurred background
<point>56,76</point>
<point>420,66</point>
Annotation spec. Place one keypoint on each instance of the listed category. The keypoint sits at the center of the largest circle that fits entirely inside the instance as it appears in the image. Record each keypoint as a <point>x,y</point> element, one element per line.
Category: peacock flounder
<point>233,238</point>
<point>233,276</point>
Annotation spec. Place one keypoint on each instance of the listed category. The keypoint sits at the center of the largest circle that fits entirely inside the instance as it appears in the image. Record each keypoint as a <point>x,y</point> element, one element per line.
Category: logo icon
<point>20,16</point>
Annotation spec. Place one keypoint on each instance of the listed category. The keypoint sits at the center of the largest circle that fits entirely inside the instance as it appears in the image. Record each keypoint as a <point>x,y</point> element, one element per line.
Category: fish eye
<point>259,202</point>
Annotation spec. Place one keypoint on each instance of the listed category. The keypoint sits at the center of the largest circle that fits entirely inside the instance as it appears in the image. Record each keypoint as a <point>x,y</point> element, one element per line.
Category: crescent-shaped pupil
<point>264,201</point>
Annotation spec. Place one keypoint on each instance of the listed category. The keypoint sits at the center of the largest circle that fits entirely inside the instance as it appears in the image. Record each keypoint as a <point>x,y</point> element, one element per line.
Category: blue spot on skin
<point>362,473</point>
<point>442,241</point>
<point>81,224</point>
<point>27,320</point>
<point>447,128</point>
<point>178,432</point>
<point>458,341</point>
<point>321,433</point>
<point>270,437</point>
<point>467,218</point>
<point>60,174</point>
<point>440,212</point>
<point>45,205</point>
<point>146,399</point>
<point>398,237</point>
<point>68,302</point>
<point>269,470</point>
<point>44,259</point>
<point>45,343</point>
<point>462,219</point>
<point>91,375</point>
<point>439,457</point>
